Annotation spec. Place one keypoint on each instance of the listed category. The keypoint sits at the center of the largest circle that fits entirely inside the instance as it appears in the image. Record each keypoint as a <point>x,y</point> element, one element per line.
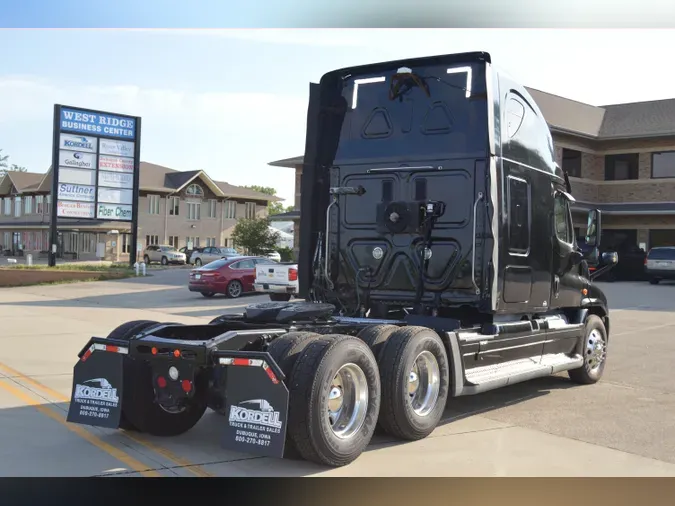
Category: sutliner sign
<point>78,143</point>
<point>114,196</point>
<point>76,192</point>
<point>115,164</point>
<point>116,148</point>
<point>77,159</point>
<point>112,212</point>
<point>115,179</point>
<point>77,176</point>
<point>76,209</point>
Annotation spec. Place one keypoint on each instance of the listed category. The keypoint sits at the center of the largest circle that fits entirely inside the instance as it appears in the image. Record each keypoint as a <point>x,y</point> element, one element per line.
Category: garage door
<point>615,239</point>
<point>662,237</point>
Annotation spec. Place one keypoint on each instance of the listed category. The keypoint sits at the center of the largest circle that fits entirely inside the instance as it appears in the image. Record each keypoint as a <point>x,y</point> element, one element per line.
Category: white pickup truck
<point>280,280</point>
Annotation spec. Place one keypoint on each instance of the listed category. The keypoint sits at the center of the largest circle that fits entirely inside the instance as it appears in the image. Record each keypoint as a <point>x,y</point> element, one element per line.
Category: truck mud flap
<point>96,397</point>
<point>256,403</point>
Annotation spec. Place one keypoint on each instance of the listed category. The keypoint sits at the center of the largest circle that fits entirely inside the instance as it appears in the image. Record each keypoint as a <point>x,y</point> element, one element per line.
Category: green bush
<point>286,254</point>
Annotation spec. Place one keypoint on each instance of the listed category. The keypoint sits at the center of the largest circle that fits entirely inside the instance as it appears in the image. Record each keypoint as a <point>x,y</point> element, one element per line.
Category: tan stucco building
<point>175,207</point>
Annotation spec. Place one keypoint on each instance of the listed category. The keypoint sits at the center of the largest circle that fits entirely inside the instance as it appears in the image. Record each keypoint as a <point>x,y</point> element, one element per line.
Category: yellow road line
<point>102,445</point>
<point>180,461</point>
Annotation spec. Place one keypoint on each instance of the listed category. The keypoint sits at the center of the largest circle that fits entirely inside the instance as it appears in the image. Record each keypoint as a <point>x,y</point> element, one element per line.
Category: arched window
<point>194,190</point>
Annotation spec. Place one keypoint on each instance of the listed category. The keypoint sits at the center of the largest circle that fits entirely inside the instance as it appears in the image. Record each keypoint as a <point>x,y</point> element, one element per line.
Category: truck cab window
<point>563,222</point>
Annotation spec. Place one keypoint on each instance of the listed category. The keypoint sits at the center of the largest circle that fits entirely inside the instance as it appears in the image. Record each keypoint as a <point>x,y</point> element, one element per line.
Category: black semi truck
<point>437,259</point>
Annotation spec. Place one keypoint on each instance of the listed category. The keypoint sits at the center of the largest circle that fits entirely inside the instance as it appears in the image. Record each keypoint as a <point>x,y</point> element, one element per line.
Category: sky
<point>231,101</point>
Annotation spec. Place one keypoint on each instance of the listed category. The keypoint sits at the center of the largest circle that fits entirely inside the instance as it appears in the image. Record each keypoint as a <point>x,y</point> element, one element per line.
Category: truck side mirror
<point>594,228</point>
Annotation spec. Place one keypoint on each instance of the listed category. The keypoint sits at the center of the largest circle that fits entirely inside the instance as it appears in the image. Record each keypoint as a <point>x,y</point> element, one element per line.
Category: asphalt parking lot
<point>622,426</point>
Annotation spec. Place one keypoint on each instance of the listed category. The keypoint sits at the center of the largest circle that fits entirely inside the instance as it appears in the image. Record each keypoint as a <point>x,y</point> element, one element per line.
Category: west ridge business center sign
<point>95,162</point>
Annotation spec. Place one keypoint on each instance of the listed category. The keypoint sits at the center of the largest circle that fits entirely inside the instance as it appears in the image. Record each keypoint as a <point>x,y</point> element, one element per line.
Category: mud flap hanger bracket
<point>103,344</point>
<point>250,359</point>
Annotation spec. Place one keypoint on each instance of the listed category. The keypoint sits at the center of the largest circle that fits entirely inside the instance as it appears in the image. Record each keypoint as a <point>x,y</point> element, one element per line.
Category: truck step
<point>482,379</point>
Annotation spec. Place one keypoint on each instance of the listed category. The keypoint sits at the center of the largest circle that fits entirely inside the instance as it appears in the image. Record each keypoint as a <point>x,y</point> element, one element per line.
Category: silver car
<point>163,254</point>
<point>211,254</point>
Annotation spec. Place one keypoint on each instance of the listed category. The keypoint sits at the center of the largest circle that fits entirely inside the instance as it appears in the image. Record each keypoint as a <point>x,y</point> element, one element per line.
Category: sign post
<point>95,170</point>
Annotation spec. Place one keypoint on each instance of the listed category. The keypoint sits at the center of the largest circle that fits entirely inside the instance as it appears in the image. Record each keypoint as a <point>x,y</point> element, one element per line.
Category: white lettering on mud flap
<point>95,398</point>
<point>265,415</point>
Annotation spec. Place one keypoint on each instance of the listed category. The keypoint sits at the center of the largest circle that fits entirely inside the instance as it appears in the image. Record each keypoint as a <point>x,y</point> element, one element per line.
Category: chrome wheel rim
<point>234,289</point>
<point>347,401</point>
<point>424,383</point>
<point>596,351</point>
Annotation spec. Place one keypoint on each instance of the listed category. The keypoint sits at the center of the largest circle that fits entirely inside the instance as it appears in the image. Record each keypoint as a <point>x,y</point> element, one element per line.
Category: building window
<point>174,206</point>
<point>194,210</point>
<point>17,207</point>
<point>250,210</point>
<point>28,205</point>
<point>194,190</point>
<point>153,203</point>
<point>563,224</point>
<point>192,242</point>
<point>173,241</point>
<point>48,209</point>
<point>212,208</point>
<point>8,206</point>
<point>126,243</point>
<point>519,216</point>
<point>151,240</point>
<point>621,167</point>
<point>88,242</point>
<point>39,204</point>
<point>229,242</point>
<point>571,162</point>
<point>39,245</point>
<point>230,209</point>
<point>210,241</point>
<point>8,241</point>
<point>663,164</point>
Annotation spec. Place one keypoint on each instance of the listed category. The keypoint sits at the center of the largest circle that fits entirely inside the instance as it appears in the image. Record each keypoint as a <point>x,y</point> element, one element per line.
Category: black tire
<point>375,336</point>
<point>285,351</point>
<point>124,333</point>
<point>146,259</point>
<point>583,375</point>
<point>654,281</point>
<point>198,262</point>
<point>397,416</point>
<point>165,261</point>
<point>140,411</point>
<point>310,382</point>
<point>280,297</point>
<point>232,291</point>
<point>207,294</point>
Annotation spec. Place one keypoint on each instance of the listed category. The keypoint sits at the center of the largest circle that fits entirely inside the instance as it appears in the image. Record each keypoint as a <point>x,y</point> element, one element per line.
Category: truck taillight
<point>292,274</point>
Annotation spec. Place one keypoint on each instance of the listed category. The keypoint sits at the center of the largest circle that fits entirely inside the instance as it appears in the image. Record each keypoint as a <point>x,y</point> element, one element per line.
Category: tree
<point>255,236</point>
<point>273,207</point>
<point>3,165</point>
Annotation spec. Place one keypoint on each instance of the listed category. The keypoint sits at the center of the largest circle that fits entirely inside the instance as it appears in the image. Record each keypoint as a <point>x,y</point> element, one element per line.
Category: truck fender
<point>451,340</point>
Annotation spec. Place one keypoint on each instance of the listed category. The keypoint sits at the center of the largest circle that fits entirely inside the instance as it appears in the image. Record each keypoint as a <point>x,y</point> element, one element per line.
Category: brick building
<point>620,159</point>
<point>175,207</point>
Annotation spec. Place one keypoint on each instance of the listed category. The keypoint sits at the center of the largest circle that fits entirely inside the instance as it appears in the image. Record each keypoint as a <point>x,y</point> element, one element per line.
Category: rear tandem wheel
<point>140,412</point>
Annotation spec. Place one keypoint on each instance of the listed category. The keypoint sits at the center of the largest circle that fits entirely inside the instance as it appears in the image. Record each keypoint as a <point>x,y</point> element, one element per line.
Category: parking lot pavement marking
<point>170,456</point>
<point>86,435</point>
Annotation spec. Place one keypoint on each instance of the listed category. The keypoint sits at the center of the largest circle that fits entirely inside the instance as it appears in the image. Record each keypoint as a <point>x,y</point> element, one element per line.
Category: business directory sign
<point>96,162</point>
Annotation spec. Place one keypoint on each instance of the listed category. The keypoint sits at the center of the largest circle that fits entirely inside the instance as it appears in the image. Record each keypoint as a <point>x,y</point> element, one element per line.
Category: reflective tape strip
<point>104,347</point>
<point>255,362</point>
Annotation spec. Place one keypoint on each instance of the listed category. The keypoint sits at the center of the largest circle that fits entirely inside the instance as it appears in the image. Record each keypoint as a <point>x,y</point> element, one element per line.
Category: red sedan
<point>231,276</point>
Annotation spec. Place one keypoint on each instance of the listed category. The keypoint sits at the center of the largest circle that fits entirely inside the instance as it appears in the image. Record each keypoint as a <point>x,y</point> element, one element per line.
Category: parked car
<point>188,252</point>
<point>163,254</point>
<point>660,264</point>
<point>230,276</point>
<point>206,255</point>
<point>279,280</point>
